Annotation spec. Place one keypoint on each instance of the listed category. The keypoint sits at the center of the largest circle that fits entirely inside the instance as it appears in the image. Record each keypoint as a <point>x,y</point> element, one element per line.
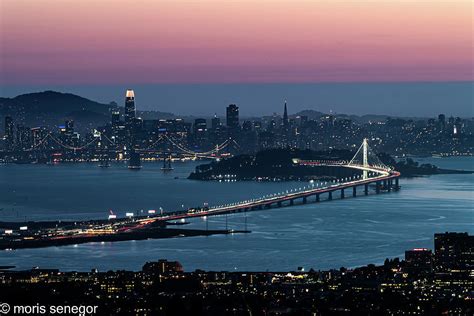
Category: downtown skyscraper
<point>130,110</point>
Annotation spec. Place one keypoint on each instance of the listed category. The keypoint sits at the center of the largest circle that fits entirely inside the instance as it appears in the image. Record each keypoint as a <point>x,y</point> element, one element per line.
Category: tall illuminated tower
<point>129,106</point>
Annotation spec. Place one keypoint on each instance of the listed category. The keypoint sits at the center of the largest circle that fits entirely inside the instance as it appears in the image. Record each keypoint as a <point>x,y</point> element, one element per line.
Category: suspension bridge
<point>101,143</point>
<point>371,175</point>
<point>374,175</point>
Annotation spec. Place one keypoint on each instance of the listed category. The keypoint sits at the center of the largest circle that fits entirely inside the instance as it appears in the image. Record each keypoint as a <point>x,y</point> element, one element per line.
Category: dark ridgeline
<point>422,284</point>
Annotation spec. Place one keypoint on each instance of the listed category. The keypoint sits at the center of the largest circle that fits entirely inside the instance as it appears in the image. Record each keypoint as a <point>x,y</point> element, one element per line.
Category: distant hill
<point>51,102</point>
<point>311,114</point>
<point>314,115</point>
<point>51,108</point>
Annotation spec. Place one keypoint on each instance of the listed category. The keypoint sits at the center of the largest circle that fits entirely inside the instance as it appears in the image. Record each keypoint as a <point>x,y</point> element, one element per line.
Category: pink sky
<point>125,41</point>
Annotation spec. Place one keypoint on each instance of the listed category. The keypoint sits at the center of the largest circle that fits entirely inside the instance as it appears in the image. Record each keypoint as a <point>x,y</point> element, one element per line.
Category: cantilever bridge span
<point>373,174</point>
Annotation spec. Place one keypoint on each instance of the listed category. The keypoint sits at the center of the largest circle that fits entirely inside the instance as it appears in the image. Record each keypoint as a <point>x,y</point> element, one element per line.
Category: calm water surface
<point>348,232</point>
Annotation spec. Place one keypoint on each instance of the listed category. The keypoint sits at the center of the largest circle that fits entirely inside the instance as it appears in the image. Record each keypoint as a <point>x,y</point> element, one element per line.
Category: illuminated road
<point>380,176</point>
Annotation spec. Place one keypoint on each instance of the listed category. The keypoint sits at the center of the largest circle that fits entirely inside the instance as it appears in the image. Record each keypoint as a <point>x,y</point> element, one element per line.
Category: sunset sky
<point>172,41</point>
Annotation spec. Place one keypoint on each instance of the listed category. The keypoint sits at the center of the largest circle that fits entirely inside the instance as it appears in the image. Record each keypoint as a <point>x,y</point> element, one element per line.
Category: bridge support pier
<point>304,200</point>
<point>366,189</point>
<point>397,186</point>
<point>377,187</point>
<point>389,185</point>
<point>354,191</point>
<point>330,196</point>
<point>317,198</point>
<point>342,194</point>
<point>279,204</point>
<point>292,202</point>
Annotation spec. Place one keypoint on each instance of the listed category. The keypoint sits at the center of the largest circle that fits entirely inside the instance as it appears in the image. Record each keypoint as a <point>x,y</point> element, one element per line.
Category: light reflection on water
<point>348,232</point>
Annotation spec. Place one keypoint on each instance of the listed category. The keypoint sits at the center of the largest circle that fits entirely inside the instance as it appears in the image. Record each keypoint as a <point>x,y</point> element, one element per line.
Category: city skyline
<point>403,99</point>
<point>245,157</point>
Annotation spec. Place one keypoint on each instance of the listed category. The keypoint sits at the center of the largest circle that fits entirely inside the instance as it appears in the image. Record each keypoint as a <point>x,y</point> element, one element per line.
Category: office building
<point>232,116</point>
<point>130,110</point>
<point>115,118</point>
<point>454,251</point>
<point>419,260</point>
<point>215,122</point>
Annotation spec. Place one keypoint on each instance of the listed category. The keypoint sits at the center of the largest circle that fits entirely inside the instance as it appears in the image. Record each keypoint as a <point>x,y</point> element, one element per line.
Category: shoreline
<point>152,233</point>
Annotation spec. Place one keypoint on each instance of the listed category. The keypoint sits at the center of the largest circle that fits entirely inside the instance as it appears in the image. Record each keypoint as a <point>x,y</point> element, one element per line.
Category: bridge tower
<point>365,157</point>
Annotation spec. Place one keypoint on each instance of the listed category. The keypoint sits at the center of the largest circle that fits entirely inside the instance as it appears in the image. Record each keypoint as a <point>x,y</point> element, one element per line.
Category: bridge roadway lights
<point>354,191</point>
<point>342,193</point>
<point>366,189</point>
<point>330,196</point>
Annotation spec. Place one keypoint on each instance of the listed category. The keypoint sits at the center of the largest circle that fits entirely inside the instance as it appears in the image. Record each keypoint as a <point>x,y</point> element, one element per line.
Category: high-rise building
<point>454,251</point>
<point>215,122</point>
<point>200,131</point>
<point>200,125</point>
<point>9,136</point>
<point>247,126</point>
<point>130,110</point>
<point>115,118</point>
<point>286,122</point>
<point>442,118</point>
<point>232,116</point>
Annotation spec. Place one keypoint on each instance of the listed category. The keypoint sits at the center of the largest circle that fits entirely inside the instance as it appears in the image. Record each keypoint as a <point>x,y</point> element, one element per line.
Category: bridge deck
<point>279,199</point>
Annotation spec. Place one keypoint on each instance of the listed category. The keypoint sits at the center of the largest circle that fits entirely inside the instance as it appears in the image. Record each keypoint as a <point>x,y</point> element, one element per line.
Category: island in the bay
<point>282,164</point>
